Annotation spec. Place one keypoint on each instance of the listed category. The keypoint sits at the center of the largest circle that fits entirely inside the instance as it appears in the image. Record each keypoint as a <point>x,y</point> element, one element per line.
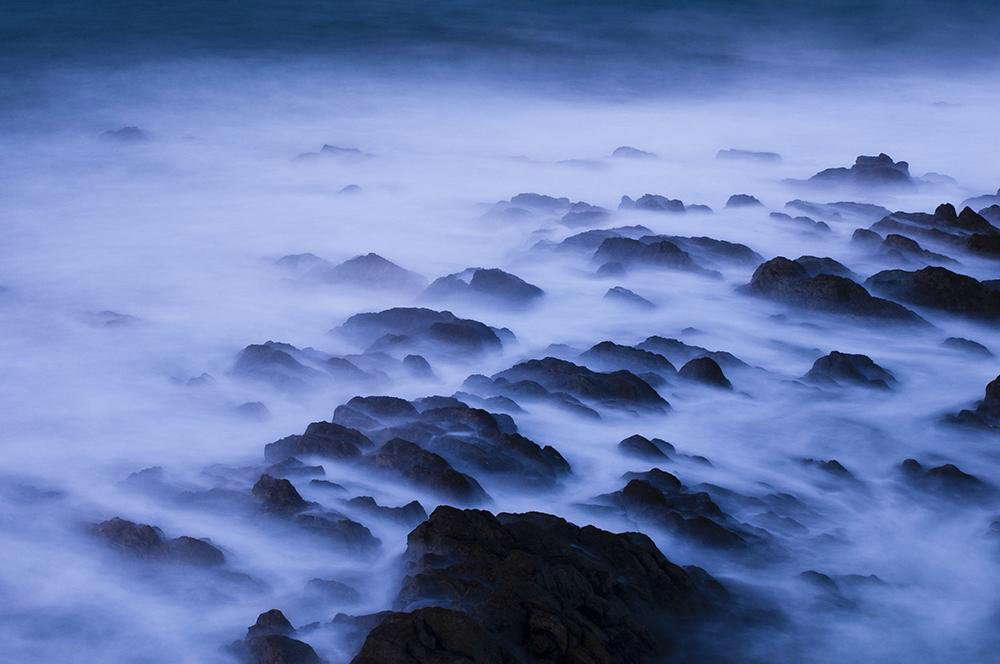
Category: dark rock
<point>632,153</point>
<point>617,388</point>
<point>709,249</point>
<point>382,409</point>
<point>324,439</point>
<point>349,189</point>
<point>831,467</point>
<point>662,254</point>
<point>540,201</point>
<point>641,447</point>
<point>409,514</point>
<point>327,485</point>
<point>273,363</point>
<point>269,641</point>
<point>436,330</point>
<point>788,282</point>
<point>333,591</point>
<point>147,542</point>
<point>803,223</point>
<point>984,200</point>
<point>837,368</point>
<point>707,371</point>
<point>278,496</point>
<point>625,296</point>
<point>652,203</point>
<point>428,471</point>
<point>986,414</point>
<point>816,266</point>
<point>346,534</point>
<point>583,214</point>
<point>610,269</point>
<point>609,356</point>
<point>967,346</point>
<point>902,248</point>
<point>679,353</point>
<point>866,172</point>
<point>743,201</point>
<point>938,288</point>
<point>865,238</point>
<point>292,467</point>
<point>748,155</point>
<point>270,622</point>
<point>590,240</point>
<point>947,481</point>
<point>523,587</point>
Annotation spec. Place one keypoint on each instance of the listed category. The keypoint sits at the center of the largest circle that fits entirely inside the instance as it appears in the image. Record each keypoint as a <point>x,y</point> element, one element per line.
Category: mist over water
<point>456,108</point>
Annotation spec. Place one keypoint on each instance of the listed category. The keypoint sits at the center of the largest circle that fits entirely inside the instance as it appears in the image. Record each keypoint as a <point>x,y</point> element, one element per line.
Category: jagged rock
<point>428,471</point>
<point>409,514</point>
<point>148,543</point>
<point>748,155</point>
<point>617,388</point>
<point>938,288</point>
<point>621,295</point>
<point>324,439</point>
<point>743,201</point>
<point>662,254</point>
<point>788,282</point>
<point>628,152</point>
<point>652,203</point>
<point>967,346</point>
<point>837,368</point>
<point>269,641</point>
<point>522,588</point>
<point>705,370</point>
<point>986,414</point>
<point>494,285</point>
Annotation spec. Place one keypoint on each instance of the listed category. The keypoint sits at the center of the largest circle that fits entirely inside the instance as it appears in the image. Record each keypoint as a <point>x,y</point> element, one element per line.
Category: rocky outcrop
<point>425,330</point>
<point>986,414</point>
<point>145,542</point>
<point>838,368</point>
<point>491,286</point>
<point>269,641</point>
<point>706,371</point>
<point>662,254</point>
<point>938,288</point>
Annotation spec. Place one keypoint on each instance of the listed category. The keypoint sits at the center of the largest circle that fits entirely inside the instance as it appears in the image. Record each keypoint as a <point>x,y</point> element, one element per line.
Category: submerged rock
<point>880,171</point>
<point>369,271</point>
<point>628,152</point>
<point>707,371</point>
<point>662,254</point>
<point>947,481</point>
<point>624,296</point>
<point>748,155</point>
<point>967,346</point>
<point>269,641</point>
<point>743,201</point>
<point>491,286</point>
<point>148,543</point>
<point>986,414</point>
<point>652,203</point>
<point>427,471</point>
<point>433,331</point>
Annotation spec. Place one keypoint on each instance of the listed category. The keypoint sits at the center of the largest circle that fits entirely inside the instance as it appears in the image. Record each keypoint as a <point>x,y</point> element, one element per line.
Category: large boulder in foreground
<point>788,282</point>
<point>939,288</point>
<point>519,588</point>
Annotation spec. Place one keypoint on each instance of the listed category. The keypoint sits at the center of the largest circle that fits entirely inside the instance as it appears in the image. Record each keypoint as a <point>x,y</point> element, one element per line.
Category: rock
<point>522,587</point>
<point>837,211</point>
<point>803,223</point>
<point>434,331</point>
<point>269,641</point>
<point>323,439</point>
<point>347,535</point>
<point>628,152</point>
<point>982,201</point>
<point>254,411</point>
<point>904,249</point>
<point>300,263</point>
<point>409,514</point>
<point>274,364</point>
<point>707,371</point>
<point>641,447</point>
<point>583,214</point>
<point>816,266</point>
<point>127,134</point>
<point>680,353</point>
<point>370,271</point>
<point>615,389</point>
<point>497,287</point>
<point>292,467</point>
<point>986,414</point>
<point>620,295</point>
<point>831,467</point>
<point>748,155</point>
<point>418,367</point>
<point>838,368</point>
<point>590,240</point>
<point>662,254</point>
<point>540,201</point>
<point>332,590</point>
<point>866,239</point>
<point>967,346</point>
<point>788,282</point>
<point>609,356</point>
<point>880,171</point>
<point>382,409</point>
<point>147,542</point>
<point>278,496</point>
<point>947,481</point>
<point>652,203</point>
<point>709,249</point>
<point>938,288</point>
<point>610,269</point>
<point>428,471</point>
<point>743,201</point>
